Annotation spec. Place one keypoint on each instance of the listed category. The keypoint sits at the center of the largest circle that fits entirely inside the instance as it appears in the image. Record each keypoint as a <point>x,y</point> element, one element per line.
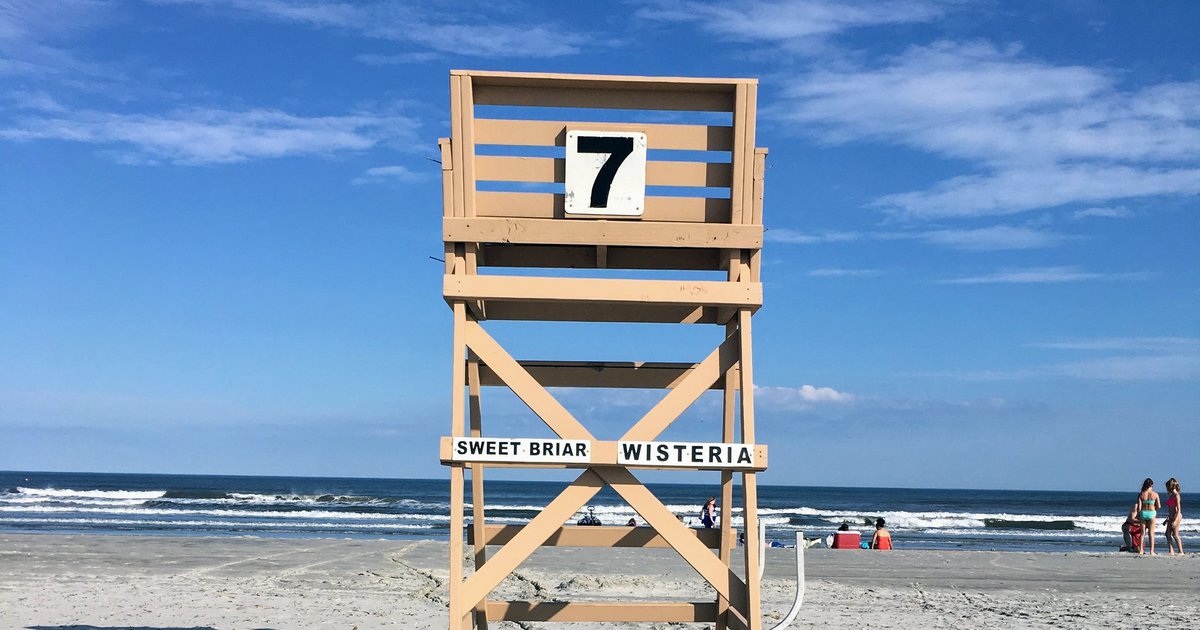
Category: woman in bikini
<point>882,538</point>
<point>1148,500</point>
<point>1174,516</point>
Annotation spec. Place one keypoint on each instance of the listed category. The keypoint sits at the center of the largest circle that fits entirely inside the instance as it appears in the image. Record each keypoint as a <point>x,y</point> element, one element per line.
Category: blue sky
<point>216,218</point>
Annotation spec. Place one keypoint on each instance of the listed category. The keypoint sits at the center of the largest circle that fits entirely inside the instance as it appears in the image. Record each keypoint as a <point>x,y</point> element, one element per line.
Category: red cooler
<point>847,540</point>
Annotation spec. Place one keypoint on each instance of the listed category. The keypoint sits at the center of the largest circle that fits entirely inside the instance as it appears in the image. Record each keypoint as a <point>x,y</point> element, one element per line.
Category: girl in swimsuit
<point>1148,500</point>
<point>1174,516</point>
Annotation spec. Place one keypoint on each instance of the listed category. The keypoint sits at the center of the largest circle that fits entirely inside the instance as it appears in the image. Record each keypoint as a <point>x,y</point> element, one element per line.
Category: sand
<point>50,581</point>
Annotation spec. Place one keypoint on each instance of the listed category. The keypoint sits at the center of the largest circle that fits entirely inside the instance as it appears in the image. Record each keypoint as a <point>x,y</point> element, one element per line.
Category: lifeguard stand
<point>598,203</point>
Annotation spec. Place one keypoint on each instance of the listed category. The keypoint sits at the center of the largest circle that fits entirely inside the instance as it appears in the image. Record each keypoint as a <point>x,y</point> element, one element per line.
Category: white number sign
<point>606,173</point>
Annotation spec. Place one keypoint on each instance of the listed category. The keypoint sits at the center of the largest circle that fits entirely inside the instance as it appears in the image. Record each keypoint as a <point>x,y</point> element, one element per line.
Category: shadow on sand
<point>87,627</point>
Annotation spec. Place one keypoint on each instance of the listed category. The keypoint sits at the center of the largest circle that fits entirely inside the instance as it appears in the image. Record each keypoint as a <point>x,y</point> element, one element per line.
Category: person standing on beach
<point>708,513</point>
<point>1174,516</point>
<point>1149,504</point>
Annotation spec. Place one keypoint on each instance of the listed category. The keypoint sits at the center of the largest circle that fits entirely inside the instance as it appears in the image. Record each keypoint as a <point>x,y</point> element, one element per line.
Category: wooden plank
<point>728,418</point>
<point>457,144</point>
<point>740,165</point>
<point>628,612</point>
<point>725,581</point>
<point>510,556</point>
<point>550,206</point>
<point>540,401</point>
<point>584,257</point>
<point>707,372</point>
<point>602,97</point>
<point>457,621</point>
<point>552,133</point>
<point>627,233</point>
<point>506,168</point>
<point>627,313</point>
<point>478,517</point>
<point>602,290</point>
<point>609,374</point>
<point>603,453</point>
<point>583,536</point>
<point>760,173</point>
<point>613,81</point>
<point>467,116</point>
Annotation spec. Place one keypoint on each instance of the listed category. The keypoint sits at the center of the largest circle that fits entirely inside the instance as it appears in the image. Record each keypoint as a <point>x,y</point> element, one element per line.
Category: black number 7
<point>618,149</point>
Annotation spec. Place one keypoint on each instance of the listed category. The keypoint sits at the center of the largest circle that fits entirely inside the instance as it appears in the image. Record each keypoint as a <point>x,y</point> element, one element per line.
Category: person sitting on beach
<point>844,527</point>
<point>882,538</point>
<point>708,513</point>
<point>1174,516</point>
<point>631,523</point>
<point>1131,530</point>
<point>1149,503</point>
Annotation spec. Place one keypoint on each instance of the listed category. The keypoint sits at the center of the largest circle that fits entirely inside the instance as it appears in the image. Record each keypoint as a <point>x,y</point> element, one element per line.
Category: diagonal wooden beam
<point>540,401</point>
<point>536,532</point>
<point>700,380</point>
<point>694,552</point>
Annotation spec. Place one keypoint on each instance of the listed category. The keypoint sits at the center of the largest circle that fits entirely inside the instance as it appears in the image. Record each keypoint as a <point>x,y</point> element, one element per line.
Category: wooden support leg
<point>477,515</point>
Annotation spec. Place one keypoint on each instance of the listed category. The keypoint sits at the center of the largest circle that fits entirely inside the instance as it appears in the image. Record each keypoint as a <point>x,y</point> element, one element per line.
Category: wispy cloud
<point>991,238</point>
<point>389,174</point>
<point>1119,212</point>
<point>1041,135</point>
<point>396,60</point>
<point>1127,359</point>
<point>793,22</point>
<point>207,136</point>
<point>843,273</point>
<point>1043,275</point>
<point>457,30</point>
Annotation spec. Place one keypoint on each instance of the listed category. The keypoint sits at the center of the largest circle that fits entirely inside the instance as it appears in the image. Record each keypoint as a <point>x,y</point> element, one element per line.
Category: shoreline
<point>55,581</point>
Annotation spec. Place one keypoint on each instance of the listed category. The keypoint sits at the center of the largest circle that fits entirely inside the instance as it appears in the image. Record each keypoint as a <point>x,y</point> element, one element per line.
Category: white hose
<point>791,616</point>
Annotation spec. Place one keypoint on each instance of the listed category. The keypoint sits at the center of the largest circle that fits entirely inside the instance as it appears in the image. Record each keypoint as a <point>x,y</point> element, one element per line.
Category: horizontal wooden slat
<point>601,97</point>
<point>630,233</point>
<point>584,257</point>
<point>569,312</point>
<point>551,133</point>
<point>601,81</point>
<point>602,290</point>
<point>503,168</point>
<point>550,206</point>
<point>585,536</point>
<point>629,612</point>
<point>600,374</point>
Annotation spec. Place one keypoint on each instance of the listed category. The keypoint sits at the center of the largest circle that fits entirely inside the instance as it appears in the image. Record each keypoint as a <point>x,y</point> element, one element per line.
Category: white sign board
<point>686,454</point>
<point>605,173</point>
<point>520,450</point>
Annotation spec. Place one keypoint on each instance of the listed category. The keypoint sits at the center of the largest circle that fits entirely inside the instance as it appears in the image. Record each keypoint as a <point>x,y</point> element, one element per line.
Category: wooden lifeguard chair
<point>597,202</point>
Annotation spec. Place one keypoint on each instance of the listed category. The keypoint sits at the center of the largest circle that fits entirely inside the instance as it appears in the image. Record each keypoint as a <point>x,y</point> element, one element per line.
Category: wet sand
<point>50,581</point>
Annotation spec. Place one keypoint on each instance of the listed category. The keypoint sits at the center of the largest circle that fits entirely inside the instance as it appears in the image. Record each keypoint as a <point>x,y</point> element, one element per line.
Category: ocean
<point>313,507</point>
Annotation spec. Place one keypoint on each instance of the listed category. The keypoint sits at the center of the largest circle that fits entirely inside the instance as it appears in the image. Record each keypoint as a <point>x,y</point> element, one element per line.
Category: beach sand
<point>50,581</point>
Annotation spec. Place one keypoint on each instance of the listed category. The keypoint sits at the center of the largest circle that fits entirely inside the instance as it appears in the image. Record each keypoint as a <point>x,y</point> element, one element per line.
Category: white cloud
<point>1020,189</point>
<point>996,237</point>
<point>206,136</point>
<point>396,60</point>
<point>1042,275</point>
<point>785,235</point>
<point>1119,212</point>
<point>388,174</point>
<point>1136,359</point>
<point>789,21</point>
<point>456,30</point>
<point>992,238</point>
<point>1041,135</point>
<point>843,273</point>
<point>794,398</point>
<point>1141,344</point>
